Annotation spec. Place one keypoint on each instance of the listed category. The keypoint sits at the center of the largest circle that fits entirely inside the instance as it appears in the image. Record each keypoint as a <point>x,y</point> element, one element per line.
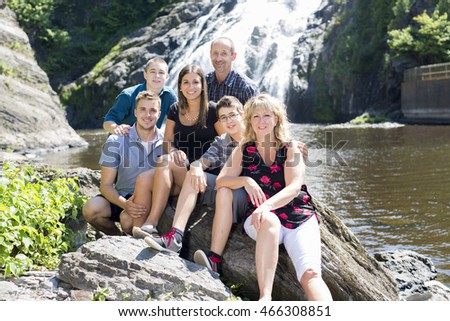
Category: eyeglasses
<point>225,118</point>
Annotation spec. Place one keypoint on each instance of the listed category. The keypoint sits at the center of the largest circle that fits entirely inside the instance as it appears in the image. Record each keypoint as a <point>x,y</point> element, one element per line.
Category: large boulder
<point>415,275</point>
<point>347,268</point>
<point>130,270</point>
<point>125,266</point>
<point>31,116</point>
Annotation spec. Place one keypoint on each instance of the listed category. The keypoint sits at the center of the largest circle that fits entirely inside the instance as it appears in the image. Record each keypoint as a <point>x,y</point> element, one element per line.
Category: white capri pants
<point>302,244</point>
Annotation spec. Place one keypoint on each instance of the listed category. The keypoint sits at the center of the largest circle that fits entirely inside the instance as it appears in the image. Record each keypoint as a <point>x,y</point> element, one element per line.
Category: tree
<point>428,42</point>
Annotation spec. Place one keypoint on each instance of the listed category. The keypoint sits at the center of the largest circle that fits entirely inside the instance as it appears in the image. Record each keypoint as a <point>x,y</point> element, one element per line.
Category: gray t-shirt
<point>219,152</point>
<point>128,155</point>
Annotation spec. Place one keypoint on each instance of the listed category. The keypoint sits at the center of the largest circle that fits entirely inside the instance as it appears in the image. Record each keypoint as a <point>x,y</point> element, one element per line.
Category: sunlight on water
<point>389,184</point>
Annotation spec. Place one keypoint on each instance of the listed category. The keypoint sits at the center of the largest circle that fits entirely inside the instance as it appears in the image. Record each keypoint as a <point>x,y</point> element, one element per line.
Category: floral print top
<point>271,180</point>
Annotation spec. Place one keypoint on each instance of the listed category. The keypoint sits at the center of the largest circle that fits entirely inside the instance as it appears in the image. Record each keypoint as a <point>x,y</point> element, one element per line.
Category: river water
<point>390,183</point>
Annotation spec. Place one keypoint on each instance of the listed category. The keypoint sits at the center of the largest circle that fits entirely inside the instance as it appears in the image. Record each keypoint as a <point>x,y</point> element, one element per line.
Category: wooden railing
<point>430,72</point>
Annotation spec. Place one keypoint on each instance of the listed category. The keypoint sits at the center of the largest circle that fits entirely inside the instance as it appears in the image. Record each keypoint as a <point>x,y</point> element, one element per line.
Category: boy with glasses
<point>201,179</point>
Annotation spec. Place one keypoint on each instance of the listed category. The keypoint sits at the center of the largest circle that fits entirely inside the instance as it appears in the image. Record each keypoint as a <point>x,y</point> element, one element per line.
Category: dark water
<point>390,184</point>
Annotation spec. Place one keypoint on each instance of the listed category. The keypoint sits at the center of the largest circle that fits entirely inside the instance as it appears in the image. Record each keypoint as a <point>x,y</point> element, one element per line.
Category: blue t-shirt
<point>122,112</point>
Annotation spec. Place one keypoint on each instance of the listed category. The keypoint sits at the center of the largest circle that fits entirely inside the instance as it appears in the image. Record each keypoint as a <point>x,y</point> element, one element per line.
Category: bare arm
<point>108,176</point>
<point>294,171</point>
<point>111,127</point>
<point>168,144</point>
<point>229,177</point>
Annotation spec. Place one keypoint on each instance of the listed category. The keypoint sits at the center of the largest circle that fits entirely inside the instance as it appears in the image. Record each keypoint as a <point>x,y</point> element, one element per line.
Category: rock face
<point>127,267</point>
<point>415,275</point>
<point>31,116</point>
<point>349,271</point>
<point>308,48</point>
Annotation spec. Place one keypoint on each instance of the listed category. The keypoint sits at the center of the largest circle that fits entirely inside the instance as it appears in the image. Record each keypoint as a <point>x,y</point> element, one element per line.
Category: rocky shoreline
<point>130,270</point>
<point>403,265</point>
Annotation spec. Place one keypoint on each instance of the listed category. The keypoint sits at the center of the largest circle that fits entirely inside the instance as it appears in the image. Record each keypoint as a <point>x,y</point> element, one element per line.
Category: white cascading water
<point>277,26</point>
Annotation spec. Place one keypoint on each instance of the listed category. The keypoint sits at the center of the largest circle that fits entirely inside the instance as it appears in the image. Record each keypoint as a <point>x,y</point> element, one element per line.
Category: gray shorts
<point>208,198</point>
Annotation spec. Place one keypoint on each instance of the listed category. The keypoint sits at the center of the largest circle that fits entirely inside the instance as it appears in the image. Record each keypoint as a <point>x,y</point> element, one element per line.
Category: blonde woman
<point>271,168</point>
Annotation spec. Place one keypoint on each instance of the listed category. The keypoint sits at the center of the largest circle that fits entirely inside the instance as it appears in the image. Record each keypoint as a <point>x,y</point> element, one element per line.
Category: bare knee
<point>163,160</point>
<point>126,222</point>
<point>224,193</point>
<point>92,208</point>
<point>310,275</point>
<point>270,221</point>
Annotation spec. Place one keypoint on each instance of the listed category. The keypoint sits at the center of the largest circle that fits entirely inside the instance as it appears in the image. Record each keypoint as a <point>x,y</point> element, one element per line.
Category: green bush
<point>71,36</point>
<point>428,41</point>
<point>367,118</point>
<point>33,212</point>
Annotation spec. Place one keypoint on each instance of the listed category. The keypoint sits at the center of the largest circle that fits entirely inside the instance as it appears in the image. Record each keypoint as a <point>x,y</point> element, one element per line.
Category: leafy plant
<point>71,36</point>
<point>366,118</point>
<point>101,294</point>
<point>33,212</point>
<point>427,42</point>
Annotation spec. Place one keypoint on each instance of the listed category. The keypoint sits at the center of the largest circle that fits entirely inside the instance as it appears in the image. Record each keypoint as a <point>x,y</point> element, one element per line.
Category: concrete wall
<point>426,100</point>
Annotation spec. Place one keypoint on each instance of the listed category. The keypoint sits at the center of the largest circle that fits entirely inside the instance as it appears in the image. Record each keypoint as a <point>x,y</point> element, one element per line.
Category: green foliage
<point>444,6</point>
<point>33,212</point>
<point>357,44</point>
<point>70,37</point>
<point>101,294</point>
<point>428,42</point>
<point>366,118</point>
<point>401,11</point>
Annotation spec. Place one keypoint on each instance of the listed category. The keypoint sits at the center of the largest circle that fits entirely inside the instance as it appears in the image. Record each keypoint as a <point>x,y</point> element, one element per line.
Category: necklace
<point>189,117</point>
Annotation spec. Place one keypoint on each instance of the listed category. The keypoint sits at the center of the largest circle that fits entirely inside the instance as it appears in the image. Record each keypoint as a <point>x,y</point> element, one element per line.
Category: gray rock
<point>415,275</point>
<point>7,290</point>
<point>127,268</point>
<point>31,116</point>
<point>347,268</point>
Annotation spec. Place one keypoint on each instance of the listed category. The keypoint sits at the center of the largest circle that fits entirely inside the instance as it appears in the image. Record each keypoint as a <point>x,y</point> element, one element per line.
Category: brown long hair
<point>182,101</point>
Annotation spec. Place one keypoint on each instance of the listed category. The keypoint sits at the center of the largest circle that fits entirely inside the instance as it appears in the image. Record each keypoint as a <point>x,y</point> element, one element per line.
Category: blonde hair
<point>268,103</point>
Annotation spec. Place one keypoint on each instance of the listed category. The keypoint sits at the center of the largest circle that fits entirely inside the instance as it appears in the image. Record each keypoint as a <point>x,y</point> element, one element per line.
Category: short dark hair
<point>156,59</point>
<point>229,102</point>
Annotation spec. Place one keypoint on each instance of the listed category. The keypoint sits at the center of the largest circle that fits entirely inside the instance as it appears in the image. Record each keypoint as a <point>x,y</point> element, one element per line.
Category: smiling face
<point>147,113</point>
<point>222,56</point>
<point>231,120</point>
<point>191,86</point>
<point>156,76</point>
<point>263,121</point>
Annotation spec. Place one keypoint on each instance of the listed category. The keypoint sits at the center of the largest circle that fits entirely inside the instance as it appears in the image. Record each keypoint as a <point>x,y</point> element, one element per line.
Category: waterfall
<point>264,33</point>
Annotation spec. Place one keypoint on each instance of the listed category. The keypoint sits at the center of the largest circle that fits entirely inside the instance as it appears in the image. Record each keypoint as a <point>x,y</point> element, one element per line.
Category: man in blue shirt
<point>224,81</point>
<point>120,117</point>
<point>123,158</point>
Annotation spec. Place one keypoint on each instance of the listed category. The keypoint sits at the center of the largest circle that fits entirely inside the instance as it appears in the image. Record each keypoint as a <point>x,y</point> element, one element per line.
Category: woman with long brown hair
<point>191,126</point>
